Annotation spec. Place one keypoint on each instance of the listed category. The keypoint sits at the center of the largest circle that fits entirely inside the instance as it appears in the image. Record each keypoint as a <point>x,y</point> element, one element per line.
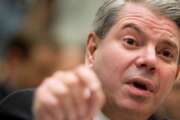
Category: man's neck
<point>114,113</point>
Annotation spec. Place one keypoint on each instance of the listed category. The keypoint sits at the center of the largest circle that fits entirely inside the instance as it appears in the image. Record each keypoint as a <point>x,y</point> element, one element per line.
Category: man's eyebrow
<point>171,44</point>
<point>135,27</point>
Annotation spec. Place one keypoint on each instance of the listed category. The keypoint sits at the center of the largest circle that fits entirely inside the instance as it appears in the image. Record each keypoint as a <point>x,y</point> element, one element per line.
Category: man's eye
<point>130,42</point>
<point>167,55</point>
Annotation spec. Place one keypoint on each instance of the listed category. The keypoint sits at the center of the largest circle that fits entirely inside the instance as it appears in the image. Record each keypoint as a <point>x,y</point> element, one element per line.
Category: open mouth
<point>143,84</point>
<point>140,86</point>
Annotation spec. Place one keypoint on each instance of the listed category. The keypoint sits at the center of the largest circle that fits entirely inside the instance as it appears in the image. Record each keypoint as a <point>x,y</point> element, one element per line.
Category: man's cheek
<point>168,88</point>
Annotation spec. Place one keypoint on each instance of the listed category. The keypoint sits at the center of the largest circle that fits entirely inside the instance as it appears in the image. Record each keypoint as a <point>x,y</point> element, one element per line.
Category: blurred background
<point>39,37</point>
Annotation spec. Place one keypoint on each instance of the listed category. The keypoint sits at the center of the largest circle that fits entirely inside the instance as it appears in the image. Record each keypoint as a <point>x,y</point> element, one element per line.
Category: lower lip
<point>136,92</point>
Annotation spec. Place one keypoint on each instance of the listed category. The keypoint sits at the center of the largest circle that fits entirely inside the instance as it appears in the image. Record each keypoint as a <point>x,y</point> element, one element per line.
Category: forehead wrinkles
<point>156,24</point>
<point>148,16</point>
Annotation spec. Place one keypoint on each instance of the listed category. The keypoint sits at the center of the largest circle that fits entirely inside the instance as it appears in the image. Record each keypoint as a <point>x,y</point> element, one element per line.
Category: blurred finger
<point>93,93</point>
<point>62,92</point>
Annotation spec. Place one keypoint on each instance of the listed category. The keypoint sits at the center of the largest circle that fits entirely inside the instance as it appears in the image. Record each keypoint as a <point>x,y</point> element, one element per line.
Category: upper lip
<point>145,83</point>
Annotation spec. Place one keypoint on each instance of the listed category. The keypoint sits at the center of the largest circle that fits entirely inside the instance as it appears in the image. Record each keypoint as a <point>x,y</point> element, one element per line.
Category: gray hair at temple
<point>108,13</point>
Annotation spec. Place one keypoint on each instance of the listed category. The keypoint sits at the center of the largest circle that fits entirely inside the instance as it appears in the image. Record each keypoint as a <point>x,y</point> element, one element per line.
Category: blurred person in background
<point>31,53</point>
<point>28,60</point>
<point>12,13</point>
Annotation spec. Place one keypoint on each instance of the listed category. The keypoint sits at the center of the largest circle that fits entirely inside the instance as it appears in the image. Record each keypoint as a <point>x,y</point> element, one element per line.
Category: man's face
<point>137,60</point>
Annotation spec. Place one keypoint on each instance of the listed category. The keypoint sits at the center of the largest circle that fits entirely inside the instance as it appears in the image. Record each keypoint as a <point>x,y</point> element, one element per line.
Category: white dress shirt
<point>101,116</point>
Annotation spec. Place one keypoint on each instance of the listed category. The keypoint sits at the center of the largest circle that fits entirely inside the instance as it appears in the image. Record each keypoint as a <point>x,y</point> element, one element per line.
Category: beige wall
<point>76,19</point>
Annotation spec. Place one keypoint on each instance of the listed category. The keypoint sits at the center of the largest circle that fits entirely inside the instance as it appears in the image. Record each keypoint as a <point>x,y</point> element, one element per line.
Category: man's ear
<point>91,47</point>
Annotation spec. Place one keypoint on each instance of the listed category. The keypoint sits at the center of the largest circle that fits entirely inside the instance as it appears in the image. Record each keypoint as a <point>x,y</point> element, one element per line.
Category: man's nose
<point>147,59</point>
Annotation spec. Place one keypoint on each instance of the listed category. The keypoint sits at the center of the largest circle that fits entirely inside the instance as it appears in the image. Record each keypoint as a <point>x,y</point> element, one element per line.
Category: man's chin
<point>132,106</point>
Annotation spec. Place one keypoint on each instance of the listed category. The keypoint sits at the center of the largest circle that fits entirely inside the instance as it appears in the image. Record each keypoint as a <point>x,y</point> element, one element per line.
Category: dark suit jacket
<point>5,90</point>
<point>17,106</point>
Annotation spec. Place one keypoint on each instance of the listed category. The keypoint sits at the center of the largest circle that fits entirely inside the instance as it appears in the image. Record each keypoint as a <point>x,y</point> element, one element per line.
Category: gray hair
<point>107,14</point>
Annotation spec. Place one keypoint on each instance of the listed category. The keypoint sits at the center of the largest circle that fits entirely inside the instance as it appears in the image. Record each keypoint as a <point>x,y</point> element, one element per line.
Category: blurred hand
<point>70,95</point>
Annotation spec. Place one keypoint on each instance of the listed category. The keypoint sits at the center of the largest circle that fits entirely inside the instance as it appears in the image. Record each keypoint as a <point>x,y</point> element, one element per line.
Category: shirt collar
<point>101,116</point>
